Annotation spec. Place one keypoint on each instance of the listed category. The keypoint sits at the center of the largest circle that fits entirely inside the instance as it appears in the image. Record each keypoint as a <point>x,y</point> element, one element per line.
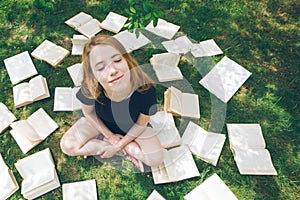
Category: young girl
<point>118,99</point>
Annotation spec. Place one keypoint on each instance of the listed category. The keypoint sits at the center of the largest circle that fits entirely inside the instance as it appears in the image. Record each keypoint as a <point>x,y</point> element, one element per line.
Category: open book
<point>181,104</point>
<point>225,79</point>
<point>6,117</point>
<point>155,196</point>
<point>80,190</point>
<point>84,24</point>
<point>28,92</point>
<point>38,173</point>
<point>78,42</point>
<point>206,48</point>
<point>178,165</point>
<point>113,22</point>
<point>65,99</point>
<point>206,145</point>
<point>131,41</point>
<point>20,67</point>
<point>8,183</point>
<point>181,45</point>
<point>212,188</point>
<point>50,53</point>
<point>249,149</point>
<point>164,126</point>
<point>76,73</point>
<point>32,131</point>
<point>166,67</point>
<point>163,28</point>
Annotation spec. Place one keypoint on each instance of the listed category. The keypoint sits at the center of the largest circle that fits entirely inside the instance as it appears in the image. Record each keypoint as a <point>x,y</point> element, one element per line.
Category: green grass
<point>262,36</point>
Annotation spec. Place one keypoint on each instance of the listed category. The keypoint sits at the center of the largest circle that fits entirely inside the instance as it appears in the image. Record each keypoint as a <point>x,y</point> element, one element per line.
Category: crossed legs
<point>81,140</point>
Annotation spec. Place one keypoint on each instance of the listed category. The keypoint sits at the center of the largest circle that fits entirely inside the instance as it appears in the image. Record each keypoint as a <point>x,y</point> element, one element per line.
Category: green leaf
<point>155,21</point>
<point>132,9</point>
<point>148,16</point>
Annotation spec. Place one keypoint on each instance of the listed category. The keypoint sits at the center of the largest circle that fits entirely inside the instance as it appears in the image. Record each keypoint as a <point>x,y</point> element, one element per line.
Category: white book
<point>50,53</point>
<point>6,117</point>
<point>164,126</point>
<point>38,173</point>
<point>163,28</point>
<point>76,73</point>
<point>81,190</point>
<point>78,42</point>
<point>212,188</point>
<point>181,104</point>
<point>180,45</point>
<point>65,99</point>
<point>32,131</point>
<point>249,149</point>
<point>85,24</point>
<point>20,67</point>
<point>113,22</point>
<point>8,183</point>
<point>178,165</point>
<point>225,79</point>
<point>205,145</point>
<point>166,67</point>
<point>155,196</point>
<point>206,48</point>
<point>28,92</point>
<point>131,41</point>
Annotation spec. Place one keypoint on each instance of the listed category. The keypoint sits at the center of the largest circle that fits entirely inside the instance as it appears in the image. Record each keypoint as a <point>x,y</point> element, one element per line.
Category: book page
<point>164,126</point>
<point>155,196</point>
<point>23,128</point>
<point>50,52</point>
<point>6,117</point>
<point>194,137</point>
<point>225,79</point>
<point>207,190</point>
<point>160,174</point>
<point>76,104</point>
<point>113,22</point>
<point>91,28</point>
<point>165,60</point>
<point>63,99</point>
<point>76,73</point>
<point>35,163</point>
<point>190,105</point>
<point>245,136</point>
<point>130,40</point>
<point>180,45</point>
<point>168,74</point>
<point>8,183</point>
<point>175,100</point>
<point>180,163</point>
<point>20,67</point>
<point>39,88</point>
<point>78,42</point>
<point>254,162</point>
<point>80,190</point>
<point>163,29</point>
<point>212,147</point>
<point>78,20</point>
<point>22,94</point>
<point>42,123</point>
<point>23,142</point>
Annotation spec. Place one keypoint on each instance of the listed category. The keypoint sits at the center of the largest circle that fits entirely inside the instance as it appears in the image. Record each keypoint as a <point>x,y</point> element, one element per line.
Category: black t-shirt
<point>119,117</point>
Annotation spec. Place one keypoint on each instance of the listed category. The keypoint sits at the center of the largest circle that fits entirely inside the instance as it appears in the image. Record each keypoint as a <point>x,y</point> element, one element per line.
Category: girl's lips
<point>116,79</point>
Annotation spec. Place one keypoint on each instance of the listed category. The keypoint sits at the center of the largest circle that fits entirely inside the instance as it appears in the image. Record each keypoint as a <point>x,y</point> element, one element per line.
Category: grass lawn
<point>262,36</point>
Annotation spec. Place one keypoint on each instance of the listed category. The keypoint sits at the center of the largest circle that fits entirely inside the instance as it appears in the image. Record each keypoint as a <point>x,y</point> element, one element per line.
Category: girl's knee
<point>155,159</point>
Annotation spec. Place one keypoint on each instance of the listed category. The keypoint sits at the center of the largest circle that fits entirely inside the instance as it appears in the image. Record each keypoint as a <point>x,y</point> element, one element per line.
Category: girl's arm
<point>90,115</point>
<point>135,131</point>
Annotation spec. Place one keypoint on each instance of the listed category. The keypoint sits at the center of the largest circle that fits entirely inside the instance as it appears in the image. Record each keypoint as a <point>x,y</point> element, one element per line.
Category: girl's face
<point>110,68</point>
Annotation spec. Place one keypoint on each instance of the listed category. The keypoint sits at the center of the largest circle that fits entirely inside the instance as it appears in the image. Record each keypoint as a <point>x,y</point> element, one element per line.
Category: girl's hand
<point>114,139</point>
<point>110,151</point>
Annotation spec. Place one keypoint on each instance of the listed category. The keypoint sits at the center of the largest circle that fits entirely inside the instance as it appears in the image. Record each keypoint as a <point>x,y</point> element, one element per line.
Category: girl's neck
<point>119,95</point>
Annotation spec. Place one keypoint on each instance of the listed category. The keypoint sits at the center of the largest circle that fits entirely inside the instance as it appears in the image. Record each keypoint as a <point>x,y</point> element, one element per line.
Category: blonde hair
<point>91,88</point>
